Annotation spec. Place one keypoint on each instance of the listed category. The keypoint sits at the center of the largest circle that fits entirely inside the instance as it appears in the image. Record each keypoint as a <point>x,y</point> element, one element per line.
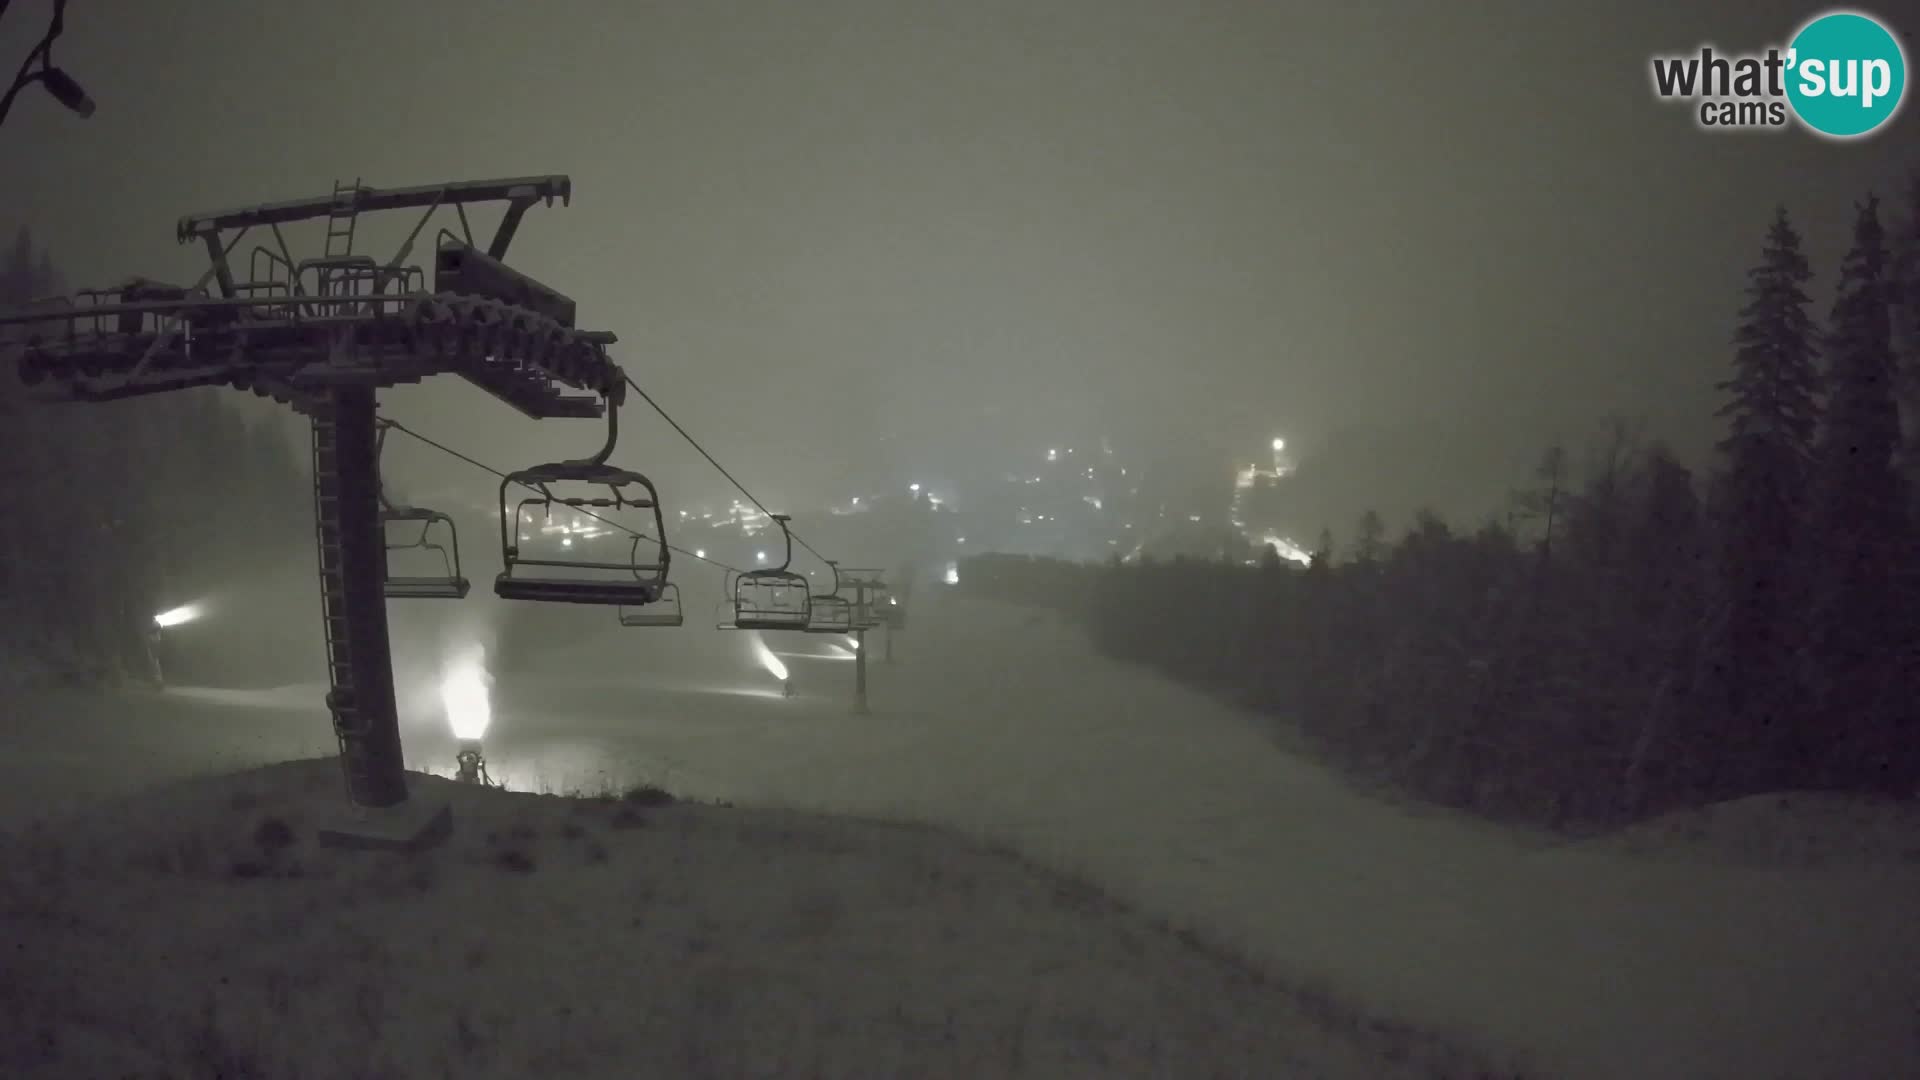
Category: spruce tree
<point>1904,309</point>
<point>1369,539</point>
<point>1860,524</point>
<point>1771,414</point>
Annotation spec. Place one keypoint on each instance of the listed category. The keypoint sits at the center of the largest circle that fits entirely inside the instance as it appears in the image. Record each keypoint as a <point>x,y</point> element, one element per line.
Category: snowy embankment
<point>1668,952</point>
<point>1591,961</point>
<point>194,930</point>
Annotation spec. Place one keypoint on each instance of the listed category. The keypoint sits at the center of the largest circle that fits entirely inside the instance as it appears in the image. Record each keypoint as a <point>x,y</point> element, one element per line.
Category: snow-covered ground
<point>1594,960</point>
<point>193,932</point>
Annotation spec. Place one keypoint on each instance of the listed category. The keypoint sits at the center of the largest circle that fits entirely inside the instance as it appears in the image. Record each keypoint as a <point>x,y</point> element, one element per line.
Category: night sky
<point>850,242</point>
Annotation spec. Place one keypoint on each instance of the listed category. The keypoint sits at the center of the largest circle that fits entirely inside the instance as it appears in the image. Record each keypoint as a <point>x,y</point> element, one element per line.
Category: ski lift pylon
<point>450,584</point>
<point>775,598</point>
<point>628,584</point>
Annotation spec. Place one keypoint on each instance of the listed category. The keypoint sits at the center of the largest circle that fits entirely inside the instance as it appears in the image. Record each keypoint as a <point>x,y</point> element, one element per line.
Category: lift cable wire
<point>398,426</point>
<point>648,398</point>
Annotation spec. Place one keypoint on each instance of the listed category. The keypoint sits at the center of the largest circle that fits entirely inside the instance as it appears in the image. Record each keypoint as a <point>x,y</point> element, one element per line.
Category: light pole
<point>157,636</point>
<point>860,672</point>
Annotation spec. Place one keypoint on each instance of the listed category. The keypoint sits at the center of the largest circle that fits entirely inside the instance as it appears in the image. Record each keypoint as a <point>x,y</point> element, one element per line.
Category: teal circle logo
<point>1847,74</point>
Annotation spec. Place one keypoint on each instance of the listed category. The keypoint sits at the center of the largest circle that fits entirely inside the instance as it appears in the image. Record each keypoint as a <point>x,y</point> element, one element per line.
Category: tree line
<point>120,510</point>
<point>1629,637</point>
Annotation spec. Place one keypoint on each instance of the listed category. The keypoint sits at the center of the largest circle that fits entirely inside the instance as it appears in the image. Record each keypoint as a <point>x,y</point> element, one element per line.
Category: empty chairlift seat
<point>551,573</point>
<point>663,611</point>
<point>770,600</point>
<point>422,552</point>
<point>418,565</point>
<point>830,615</point>
<point>775,598</point>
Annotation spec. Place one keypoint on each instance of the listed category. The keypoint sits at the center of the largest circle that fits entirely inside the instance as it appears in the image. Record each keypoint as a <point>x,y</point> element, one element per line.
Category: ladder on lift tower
<point>347,722</point>
<point>342,213</point>
<point>335,270</point>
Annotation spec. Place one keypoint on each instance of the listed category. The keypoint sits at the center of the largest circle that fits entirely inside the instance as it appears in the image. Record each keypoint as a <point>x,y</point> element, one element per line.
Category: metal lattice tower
<point>869,591</point>
<point>323,335</point>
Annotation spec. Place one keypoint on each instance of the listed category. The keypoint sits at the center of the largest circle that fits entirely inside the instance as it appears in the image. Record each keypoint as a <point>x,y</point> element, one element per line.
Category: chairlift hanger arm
<point>786,555</point>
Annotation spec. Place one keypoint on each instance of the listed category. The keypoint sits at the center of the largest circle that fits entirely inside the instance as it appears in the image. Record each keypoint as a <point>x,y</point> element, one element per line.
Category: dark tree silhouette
<point>1772,415</point>
<point>1369,538</point>
<point>1904,308</point>
<point>1859,526</point>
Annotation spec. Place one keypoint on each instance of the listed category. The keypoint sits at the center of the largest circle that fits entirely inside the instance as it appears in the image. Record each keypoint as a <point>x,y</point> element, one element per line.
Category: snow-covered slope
<point>1593,960</point>
<point>191,932</point>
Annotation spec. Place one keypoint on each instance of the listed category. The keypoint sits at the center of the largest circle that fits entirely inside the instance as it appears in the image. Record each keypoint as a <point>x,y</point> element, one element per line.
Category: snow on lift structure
<point>324,335</point>
<point>450,584</point>
<point>582,580</point>
<point>775,598</point>
<point>829,612</point>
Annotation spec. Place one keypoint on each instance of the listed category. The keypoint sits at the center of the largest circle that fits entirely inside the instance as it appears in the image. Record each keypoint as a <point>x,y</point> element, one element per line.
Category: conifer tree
<point>1772,413</point>
<point>1860,523</point>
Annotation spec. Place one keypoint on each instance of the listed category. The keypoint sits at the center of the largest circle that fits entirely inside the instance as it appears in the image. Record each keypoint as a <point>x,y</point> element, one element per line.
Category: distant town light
<point>1053,455</point>
<point>1279,444</point>
<point>699,553</point>
<point>913,487</point>
<point>760,556</point>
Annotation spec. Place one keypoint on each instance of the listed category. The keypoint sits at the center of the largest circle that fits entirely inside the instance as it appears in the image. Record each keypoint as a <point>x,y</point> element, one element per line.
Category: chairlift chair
<point>830,615</point>
<point>829,612</point>
<point>449,585</point>
<point>664,611</point>
<point>775,598</point>
<point>618,584</point>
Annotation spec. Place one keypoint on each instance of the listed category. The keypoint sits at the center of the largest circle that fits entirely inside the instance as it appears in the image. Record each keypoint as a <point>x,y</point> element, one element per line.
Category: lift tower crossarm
<point>521,191</point>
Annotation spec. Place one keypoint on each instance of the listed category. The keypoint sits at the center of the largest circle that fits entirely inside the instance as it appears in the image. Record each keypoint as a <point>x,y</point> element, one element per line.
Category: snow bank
<point>194,930</point>
<point>1806,829</point>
